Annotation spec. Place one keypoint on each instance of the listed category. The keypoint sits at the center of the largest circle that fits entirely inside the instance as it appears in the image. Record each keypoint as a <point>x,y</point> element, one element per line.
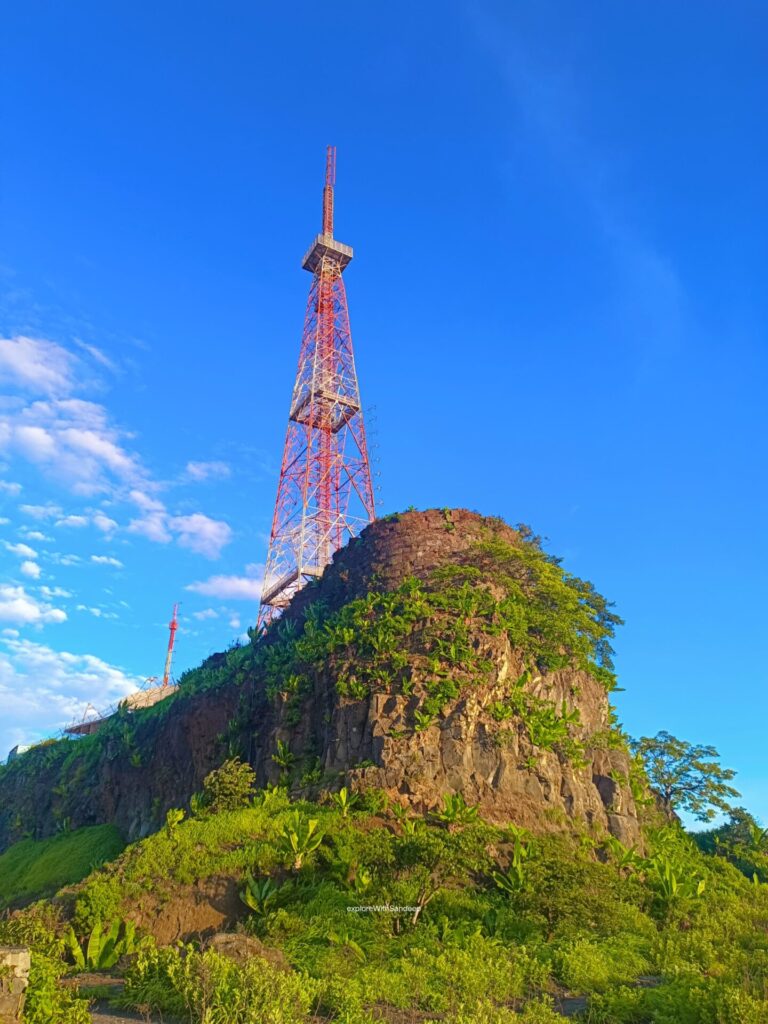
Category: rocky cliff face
<point>422,690</point>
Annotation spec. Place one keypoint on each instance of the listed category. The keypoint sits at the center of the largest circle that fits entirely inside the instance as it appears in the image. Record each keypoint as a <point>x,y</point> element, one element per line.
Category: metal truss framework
<point>325,494</point>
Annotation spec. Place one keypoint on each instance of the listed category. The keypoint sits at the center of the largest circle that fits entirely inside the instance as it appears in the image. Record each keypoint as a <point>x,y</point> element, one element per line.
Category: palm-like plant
<point>342,938</point>
<point>345,800</point>
<point>101,950</point>
<point>259,895</point>
<point>456,811</point>
<point>298,839</point>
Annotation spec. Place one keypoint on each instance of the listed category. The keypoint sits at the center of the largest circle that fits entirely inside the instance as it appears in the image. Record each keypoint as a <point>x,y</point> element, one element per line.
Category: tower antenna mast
<point>173,625</point>
<point>325,493</point>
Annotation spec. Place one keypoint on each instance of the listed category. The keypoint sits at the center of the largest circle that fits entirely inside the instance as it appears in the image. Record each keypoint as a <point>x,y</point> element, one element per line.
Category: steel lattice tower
<point>325,495</point>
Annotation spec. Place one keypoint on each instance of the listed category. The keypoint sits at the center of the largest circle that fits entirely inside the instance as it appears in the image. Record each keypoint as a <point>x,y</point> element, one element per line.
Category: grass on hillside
<point>508,921</point>
<point>32,869</point>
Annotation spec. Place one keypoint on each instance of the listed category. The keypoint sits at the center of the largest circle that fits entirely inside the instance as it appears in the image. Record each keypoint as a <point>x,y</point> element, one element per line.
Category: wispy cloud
<point>22,550</point>
<point>205,613</point>
<point>202,471</point>
<point>202,534</point>
<point>244,588</point>
<point>37,366</point>
<point>77,522</point>
<point>76,442</point>
<point>50,592</point>
<point>35,535</point>
<point>197,532</point>
<point>550,99</point>
<point>42,513</point>
<point>107,560</point>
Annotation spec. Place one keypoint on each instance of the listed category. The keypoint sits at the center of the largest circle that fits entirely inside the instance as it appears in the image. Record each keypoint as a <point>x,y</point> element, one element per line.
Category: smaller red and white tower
<point>173,625</point>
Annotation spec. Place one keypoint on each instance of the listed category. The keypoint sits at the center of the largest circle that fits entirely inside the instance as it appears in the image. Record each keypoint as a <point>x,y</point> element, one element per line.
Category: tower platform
<point>326,245</point>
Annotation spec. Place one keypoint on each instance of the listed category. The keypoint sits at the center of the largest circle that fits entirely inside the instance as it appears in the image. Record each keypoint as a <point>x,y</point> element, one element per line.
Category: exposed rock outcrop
<point>373,738</point>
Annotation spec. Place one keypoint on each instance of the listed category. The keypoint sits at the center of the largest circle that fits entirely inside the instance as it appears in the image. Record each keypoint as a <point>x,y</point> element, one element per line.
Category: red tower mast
<point>173,625</point>
<point>325,494</point>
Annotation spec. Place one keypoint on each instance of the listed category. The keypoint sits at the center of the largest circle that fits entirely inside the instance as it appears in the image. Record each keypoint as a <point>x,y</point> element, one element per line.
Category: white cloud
<point>34,535</point>
<point>36,365</point>
<point>60,559</point>
<point>206,613</point>
<point>197,532</point>
<point>55,592</point>
<point>234,622</point>
<point>78,443</point>
<point>96,354</point>
<point>22,550</point>
<point>36,443</point>
<point>22,609</point>
<point>74,441</point>
<point>85,608</point>
<point>201,471</point>
<point>8,487</point>
<point>42,690</point>
<point>41,512</point>
<point>78,522</point>
<point>104,523</point>
<point>31,569</point>
<point>4,521</point>
<point>107,560</point>
<point>244,588</point>
<point>202,534</point>
<point>153,523</point>
<point>9,632</point>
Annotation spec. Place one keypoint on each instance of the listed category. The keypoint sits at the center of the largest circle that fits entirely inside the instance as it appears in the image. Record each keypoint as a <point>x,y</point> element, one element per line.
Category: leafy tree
<point>742,840</point>
<point>686,777</point>
<point>229,787</point>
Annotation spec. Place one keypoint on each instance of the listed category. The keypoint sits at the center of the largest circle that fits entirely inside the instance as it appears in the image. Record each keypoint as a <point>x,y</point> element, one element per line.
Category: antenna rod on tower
<point>330,181</point>
<point>173,625</point>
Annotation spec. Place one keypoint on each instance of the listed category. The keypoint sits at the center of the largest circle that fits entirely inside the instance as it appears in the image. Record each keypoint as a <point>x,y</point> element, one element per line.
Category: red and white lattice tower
<point>325,495</point>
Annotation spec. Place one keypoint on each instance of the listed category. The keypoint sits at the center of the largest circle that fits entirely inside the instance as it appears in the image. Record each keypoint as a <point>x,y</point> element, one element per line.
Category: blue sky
<point>557,302</point>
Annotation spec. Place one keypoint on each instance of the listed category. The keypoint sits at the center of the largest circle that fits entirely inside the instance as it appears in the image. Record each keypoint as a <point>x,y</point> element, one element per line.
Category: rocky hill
<point>441,653</point>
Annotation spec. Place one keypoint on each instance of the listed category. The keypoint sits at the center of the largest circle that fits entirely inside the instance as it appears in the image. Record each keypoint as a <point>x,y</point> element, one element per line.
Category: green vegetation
<point>367,910</point>
<point>686,777</point>
<point>30,869</point>
<point>474,922</point>
<point>101,949</point>
<point>228,787</point>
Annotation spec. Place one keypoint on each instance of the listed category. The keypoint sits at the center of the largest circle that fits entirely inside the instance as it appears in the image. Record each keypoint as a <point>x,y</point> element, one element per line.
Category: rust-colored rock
<point>191,912</point>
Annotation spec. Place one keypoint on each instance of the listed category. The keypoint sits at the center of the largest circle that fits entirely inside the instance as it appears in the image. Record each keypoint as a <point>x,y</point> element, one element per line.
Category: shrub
<point>210,989</point>
<point>583,965</point>
<point>229,787</point>
<point>47,1001</point>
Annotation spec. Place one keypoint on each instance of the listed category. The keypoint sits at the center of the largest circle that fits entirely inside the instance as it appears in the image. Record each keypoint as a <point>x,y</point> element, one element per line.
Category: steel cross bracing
<point>325,494</point>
